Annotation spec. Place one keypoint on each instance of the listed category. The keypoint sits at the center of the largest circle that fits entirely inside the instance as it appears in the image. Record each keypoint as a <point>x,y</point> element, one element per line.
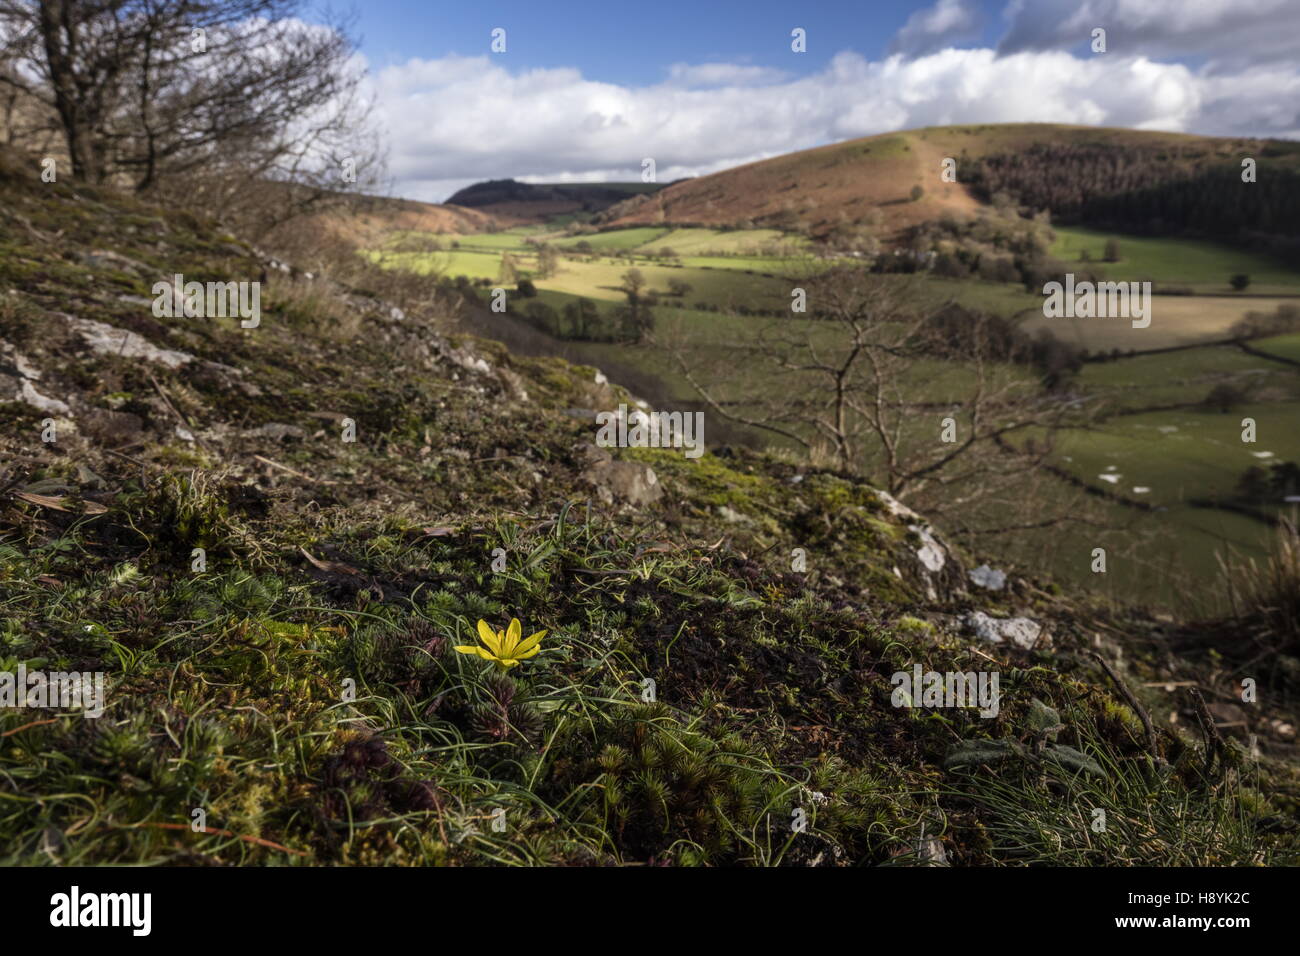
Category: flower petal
<point>488,637</point>
<point>522,649</point>
<point>524,655</point>
<point>512,637</point>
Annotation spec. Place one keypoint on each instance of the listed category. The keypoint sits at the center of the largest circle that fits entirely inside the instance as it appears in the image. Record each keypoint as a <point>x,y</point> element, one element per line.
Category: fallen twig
<point>1214,745</point>
<point>56,502</point>
<point>293,471</point>
<point>1132,702</point>
<point>258,841</point>
<point>33,723</point>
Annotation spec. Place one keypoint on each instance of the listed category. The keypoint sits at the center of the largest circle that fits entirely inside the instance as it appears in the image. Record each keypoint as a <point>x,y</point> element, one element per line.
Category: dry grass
<point>1270,590</point>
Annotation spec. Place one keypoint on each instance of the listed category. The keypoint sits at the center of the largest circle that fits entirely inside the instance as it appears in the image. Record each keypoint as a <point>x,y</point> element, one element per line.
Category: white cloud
<point>457,120</point>
<point>946,23</point>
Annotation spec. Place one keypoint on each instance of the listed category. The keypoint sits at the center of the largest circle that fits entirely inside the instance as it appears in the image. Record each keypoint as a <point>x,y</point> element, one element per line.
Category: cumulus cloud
<point>945,24</point>
<point>1229,34</point>
<point>458,120</point>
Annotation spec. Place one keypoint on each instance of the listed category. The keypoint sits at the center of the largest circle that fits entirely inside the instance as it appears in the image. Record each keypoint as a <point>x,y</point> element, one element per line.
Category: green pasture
<point>1181,454</point>
<point>618,239</point>
<point>1203,265</point>
<point>1144,381</point>
<point>691,241</point>
<point>1285,346</point>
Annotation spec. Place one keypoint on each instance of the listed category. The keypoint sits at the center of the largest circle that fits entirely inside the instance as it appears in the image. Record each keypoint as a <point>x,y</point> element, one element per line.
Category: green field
<point>715,241</point>
<point>475,265</point>
<point>1155,557</point>
<point>1285,346</point>
<point>1146,381</point>
<point>1204,266</point>
<point>1167,460</point>
<point>504,241</point>
<point>1182,454</point>
<point>619,239</point>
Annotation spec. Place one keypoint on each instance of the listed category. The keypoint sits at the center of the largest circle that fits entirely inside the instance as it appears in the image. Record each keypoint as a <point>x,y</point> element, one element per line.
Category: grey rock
<point>110,340</point>
<point>930,852</point>
<point>626,482</point>
<point>1020,631</point>
<point>988,578</point>
<point>931,553</point>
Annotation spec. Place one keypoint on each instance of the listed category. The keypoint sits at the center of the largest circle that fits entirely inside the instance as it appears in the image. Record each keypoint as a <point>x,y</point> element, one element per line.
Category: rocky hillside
<point>272,541</point>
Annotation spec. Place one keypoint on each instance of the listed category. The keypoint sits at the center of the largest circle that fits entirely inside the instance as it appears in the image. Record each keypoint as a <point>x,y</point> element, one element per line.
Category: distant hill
<point>1130,180</point>
<point>849,182</point>
<point>513,201</point>
<point>363,219</point>
<point>496,191</point>
<point>482,207</point>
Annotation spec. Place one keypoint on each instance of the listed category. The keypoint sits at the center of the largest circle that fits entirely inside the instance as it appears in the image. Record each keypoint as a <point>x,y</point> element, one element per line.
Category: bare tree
<point>195,99</point>
<point>862,378</point>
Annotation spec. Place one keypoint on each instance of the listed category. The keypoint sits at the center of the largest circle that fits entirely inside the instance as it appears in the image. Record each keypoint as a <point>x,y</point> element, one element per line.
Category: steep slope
<point>851,181</point>
<point>272,540</point>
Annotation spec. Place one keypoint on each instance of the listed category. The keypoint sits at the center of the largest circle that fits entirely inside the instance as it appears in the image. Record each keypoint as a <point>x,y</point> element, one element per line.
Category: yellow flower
<point>504,647</point>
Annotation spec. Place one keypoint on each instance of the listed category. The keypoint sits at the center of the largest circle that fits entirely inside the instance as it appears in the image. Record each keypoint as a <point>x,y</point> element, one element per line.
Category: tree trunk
<point>58,33</point>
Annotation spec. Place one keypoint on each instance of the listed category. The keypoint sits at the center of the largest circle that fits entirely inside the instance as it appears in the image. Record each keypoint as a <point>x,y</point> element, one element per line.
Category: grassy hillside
<point>277,610</point>
<point>812,189</point>
<point>847,181</point>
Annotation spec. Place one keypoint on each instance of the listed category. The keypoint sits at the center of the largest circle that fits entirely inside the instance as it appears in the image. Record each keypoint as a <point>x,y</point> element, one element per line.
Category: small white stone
<point>1021,631</point>
<point>40,402</point>
<point>931,553</point>
<point>986,577</point>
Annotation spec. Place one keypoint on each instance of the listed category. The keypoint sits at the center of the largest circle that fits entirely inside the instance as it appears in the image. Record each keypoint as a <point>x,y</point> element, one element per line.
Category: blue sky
<point>636,47</point>
<point>586,90</point>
